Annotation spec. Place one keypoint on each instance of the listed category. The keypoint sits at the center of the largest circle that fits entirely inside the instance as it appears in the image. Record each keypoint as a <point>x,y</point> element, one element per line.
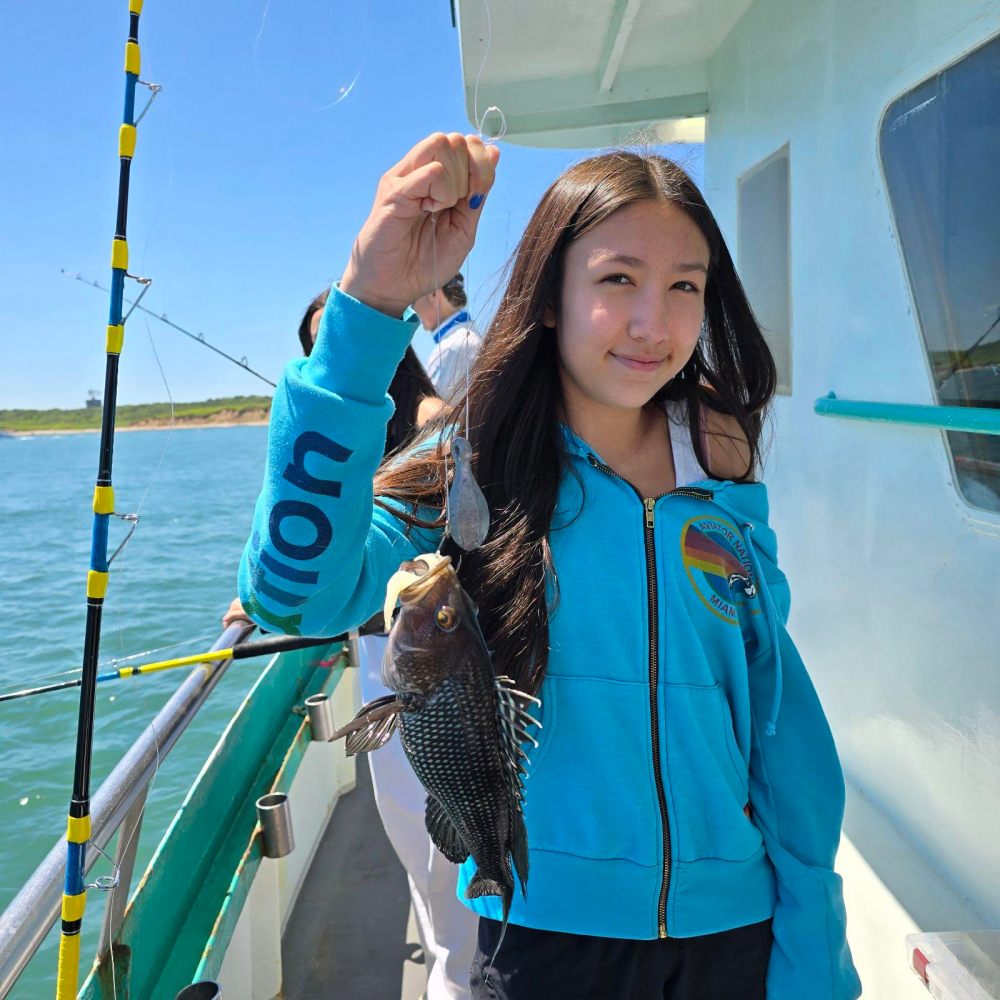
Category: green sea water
<point>194,490</point>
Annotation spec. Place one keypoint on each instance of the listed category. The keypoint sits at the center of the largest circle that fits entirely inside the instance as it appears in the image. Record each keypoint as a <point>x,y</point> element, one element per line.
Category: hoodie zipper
<point>649,509</point>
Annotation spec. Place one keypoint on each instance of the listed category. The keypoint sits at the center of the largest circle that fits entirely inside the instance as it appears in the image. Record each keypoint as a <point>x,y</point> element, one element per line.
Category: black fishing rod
<point>240,651</point>
<point>78,825</point>
<point>197,337</point>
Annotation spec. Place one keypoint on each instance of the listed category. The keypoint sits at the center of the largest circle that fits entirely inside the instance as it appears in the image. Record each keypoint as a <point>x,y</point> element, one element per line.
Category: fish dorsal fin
<point>372,727</point>
<point>513,720</point>
<point>446,838</point>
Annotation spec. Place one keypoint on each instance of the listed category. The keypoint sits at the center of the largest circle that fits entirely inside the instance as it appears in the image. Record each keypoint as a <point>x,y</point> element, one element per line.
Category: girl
<point>685,800</point>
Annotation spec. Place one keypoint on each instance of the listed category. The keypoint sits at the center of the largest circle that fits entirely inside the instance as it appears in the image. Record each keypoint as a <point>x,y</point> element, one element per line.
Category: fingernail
<point>475,201</point>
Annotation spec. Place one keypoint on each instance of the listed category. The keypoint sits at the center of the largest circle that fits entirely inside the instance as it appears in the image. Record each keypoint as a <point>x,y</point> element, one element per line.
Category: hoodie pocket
<point>591,792</point>
<point>707,777</point>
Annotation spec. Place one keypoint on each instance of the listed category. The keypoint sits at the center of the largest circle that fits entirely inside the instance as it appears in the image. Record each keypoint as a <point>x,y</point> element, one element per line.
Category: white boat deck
<point>352,932</point>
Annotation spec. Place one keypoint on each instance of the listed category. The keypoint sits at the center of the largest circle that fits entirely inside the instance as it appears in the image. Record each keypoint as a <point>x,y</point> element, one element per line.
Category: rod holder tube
<point>275,816</point>
<point>205,990</point>
<point>320,717</point>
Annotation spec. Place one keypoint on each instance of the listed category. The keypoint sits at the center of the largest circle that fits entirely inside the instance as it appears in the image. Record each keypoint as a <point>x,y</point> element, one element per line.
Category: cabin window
<point>940,146</point>
<point>763,253</point>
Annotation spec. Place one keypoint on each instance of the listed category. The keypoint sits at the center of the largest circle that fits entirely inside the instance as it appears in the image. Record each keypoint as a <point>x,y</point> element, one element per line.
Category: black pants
<point>549,965</point>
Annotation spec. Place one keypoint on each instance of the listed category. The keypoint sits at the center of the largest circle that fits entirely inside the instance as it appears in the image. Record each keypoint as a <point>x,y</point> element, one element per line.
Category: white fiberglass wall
<point>895,581</point>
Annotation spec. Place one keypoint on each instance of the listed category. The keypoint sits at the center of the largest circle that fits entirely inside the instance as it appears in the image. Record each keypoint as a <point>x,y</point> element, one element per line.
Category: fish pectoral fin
<point>446,838</point>
<point>372,727</point>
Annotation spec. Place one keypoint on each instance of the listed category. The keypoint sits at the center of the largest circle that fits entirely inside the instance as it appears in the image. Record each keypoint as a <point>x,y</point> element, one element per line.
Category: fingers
<point>458,165</point>
<point>234,613</point>
<point>482,169</point>
<point>444,171</point>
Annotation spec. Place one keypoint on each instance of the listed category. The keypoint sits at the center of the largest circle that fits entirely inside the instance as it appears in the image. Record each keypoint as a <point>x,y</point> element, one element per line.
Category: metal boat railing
<point>117,804</point>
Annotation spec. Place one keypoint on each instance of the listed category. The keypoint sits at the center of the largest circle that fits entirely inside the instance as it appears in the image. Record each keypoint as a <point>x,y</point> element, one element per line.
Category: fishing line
<point>295,44</point>
<point>167,189</point>
<point>119,627</point>
<point>492,109</point>
<point>490,139</point>
<point>438,351</point>
<point>170,430</point>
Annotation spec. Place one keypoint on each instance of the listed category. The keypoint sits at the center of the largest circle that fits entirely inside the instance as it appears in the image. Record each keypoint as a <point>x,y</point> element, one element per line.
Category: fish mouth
<point>412,580</point>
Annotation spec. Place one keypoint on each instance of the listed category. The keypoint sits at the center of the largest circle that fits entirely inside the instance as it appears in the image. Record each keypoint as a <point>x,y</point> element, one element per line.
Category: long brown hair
<point>515,399</point>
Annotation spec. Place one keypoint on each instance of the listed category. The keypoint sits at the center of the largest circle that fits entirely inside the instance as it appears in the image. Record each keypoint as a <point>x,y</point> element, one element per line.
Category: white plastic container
<point>957,965</point>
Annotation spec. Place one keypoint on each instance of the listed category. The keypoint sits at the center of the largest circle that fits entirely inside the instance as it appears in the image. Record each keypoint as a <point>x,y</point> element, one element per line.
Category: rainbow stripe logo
<point>718,565</point>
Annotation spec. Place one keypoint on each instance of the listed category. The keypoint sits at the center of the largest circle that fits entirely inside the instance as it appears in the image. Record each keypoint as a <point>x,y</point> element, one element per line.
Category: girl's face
<point>633,300</point>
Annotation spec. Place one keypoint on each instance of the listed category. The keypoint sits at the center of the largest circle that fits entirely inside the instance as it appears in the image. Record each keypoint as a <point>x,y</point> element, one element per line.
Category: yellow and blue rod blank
<point>78,826</point>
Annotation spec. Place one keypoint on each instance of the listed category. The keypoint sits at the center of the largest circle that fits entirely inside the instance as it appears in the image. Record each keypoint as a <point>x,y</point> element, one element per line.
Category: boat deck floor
<point>351,933</point>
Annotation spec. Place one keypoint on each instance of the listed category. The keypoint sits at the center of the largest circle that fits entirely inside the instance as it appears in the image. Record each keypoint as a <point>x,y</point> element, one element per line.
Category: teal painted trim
<point>204,865</point>
<point>970,419</point>
<point>283,767</point>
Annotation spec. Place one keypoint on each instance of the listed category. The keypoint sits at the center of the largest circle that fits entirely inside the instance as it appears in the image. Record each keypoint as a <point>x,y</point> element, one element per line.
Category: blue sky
<point>247,187</point>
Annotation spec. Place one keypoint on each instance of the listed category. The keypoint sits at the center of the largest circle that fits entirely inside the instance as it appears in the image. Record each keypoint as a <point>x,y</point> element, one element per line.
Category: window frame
<point>784,339</point>
<point>980,513</point>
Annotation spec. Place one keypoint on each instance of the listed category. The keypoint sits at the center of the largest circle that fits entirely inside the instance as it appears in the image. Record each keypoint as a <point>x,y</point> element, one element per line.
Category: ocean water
<point>194,489</point>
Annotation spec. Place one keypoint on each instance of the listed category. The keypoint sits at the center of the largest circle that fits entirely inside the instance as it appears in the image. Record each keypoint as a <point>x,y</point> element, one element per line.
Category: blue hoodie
<point>686,781</point>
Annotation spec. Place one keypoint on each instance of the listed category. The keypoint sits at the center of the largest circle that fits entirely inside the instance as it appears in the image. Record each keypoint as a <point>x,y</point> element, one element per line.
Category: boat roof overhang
<point>585,73</point>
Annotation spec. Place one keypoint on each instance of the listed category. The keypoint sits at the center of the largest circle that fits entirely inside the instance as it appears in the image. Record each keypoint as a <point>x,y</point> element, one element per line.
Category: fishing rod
<point>162,317</point>
<point>78,824</point>
<point>240,651</point>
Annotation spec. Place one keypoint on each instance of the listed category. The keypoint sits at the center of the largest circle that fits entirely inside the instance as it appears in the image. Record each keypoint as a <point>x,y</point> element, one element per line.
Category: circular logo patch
<point>718,564</point>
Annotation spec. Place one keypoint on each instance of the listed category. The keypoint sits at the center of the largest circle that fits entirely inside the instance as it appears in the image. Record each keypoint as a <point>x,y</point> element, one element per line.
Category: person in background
<point>412,390</point>
<point>456,340</point>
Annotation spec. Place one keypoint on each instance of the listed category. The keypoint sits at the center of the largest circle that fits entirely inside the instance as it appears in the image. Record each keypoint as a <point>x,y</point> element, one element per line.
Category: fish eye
<point>446,618</point>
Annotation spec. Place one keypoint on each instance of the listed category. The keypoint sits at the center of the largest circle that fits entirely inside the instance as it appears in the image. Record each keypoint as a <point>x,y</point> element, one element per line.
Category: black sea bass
<point>461,727</point>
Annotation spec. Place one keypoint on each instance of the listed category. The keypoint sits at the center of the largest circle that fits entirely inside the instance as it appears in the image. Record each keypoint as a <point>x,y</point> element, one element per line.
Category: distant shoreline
<point>178,425</point>
<point>231,411</point>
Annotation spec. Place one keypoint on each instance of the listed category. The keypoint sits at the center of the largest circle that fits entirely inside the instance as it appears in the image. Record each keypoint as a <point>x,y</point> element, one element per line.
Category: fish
<point>462,729</point>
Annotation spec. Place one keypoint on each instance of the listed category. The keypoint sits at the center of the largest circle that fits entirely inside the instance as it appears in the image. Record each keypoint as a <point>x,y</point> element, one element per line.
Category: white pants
<point>448,930</point>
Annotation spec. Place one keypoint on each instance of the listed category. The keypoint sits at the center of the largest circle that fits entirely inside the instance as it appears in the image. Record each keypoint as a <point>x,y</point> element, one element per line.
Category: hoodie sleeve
<point>797,794</point>
<point>320,552</point>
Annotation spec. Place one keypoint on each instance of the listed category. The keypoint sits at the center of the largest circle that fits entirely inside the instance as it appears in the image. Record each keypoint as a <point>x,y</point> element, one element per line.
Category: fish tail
<point>482,886</point>
<point>502,887</point>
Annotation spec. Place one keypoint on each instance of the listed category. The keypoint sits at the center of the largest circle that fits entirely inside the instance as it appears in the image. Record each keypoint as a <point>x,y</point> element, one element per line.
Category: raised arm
<point>320,552</point>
